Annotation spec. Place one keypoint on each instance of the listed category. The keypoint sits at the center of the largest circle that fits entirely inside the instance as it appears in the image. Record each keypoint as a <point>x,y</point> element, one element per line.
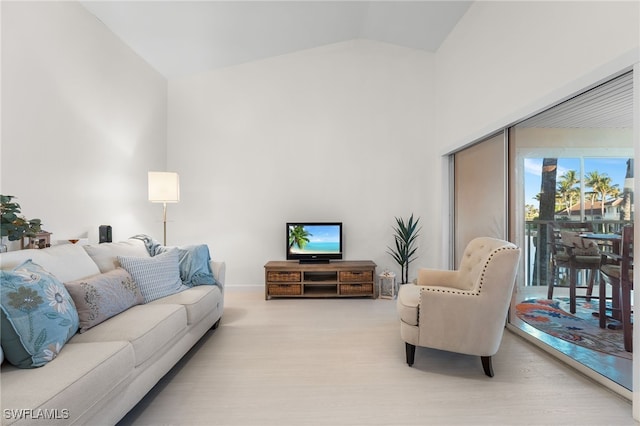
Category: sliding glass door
<point>480,193</point>
<point>572,163</point>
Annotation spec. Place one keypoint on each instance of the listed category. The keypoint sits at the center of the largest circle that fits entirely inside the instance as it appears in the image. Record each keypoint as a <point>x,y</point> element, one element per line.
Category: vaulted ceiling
<point>179,38</point>
<point>183,37</point>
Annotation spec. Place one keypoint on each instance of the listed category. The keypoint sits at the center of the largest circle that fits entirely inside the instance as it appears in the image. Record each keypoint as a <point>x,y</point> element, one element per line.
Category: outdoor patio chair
<point>465,310</point>
<point>619,276</point>
<point>575,254</point>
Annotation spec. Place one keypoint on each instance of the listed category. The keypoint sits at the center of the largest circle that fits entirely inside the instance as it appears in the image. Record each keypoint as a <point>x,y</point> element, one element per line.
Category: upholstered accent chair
<point>463,310</point>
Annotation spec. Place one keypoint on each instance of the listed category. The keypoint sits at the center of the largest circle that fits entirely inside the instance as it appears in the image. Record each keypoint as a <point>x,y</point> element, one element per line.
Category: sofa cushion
<point>105,255</point>
<point>66,261</point>
<point>198,301</point>
<point>157,276</point>
<point>38,315</point>
<point>149,328</point>
<point>70,385</point>
<point>102,296</point>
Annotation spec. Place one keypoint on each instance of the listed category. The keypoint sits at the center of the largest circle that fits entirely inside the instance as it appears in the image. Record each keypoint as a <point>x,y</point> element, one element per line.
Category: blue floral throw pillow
<point>37,315</point>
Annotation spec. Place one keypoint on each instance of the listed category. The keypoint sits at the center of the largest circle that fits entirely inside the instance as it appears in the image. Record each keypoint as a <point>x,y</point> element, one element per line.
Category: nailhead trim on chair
<point>484,269</point>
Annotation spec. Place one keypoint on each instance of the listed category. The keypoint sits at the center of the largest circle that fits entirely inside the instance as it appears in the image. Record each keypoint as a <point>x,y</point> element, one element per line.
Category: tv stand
<point>343,278</point>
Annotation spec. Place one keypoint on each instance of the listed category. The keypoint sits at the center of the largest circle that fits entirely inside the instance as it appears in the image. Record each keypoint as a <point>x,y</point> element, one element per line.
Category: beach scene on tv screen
<point>314,239</point>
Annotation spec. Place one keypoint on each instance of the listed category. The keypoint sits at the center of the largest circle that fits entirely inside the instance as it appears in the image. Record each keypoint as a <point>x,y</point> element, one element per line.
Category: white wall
<point>341,133</point>
<point>503,58</point>
<point>83,119</point>
<point>505,61</point>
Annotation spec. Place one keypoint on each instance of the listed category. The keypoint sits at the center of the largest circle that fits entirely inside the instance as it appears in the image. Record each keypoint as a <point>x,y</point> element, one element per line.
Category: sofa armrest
<point>219,270</point>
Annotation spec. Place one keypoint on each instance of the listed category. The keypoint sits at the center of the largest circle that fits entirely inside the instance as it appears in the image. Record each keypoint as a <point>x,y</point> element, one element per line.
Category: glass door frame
<point>516,223</point>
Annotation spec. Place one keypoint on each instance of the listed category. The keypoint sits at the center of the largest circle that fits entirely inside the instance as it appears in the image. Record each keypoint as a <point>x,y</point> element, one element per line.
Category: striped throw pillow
<point>156,276</point>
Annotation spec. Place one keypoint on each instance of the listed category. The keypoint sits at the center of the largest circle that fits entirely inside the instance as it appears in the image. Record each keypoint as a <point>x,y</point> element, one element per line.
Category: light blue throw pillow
<point>156,276</point>
<point>37,317</point>
<point>194,265</point>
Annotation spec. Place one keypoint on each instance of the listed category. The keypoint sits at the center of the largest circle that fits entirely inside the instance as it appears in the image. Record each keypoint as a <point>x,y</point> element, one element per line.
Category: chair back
<point>475,259</point>
<point>626,257</point>
<point>564,234</point>
<point>470,317</point>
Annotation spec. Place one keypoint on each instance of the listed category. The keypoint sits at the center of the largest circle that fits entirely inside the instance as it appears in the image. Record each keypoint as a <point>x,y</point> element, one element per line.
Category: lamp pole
<point>164,222</point>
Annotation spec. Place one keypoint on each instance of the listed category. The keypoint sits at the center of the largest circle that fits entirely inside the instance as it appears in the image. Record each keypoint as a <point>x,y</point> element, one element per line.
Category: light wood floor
<point>341,362</point>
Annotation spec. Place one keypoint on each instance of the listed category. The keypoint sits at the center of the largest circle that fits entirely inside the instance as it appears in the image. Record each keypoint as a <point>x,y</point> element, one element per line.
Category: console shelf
<point>341,278</point>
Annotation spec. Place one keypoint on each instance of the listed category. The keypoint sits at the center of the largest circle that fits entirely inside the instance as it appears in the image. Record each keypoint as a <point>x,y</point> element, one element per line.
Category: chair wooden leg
<point>486,365</point>
<point>592,278</point>
<point>616,301</point>
<point>603,303</point>
<point>627,327</point>
<point>551,278</point>
<point>411,353</point>
<point>572,290</point>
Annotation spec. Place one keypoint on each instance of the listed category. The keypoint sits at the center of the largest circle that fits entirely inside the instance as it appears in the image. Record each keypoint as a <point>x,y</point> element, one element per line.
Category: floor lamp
<point>164,187</point>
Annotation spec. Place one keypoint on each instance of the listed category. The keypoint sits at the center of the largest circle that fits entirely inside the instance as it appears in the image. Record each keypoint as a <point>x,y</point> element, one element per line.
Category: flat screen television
<point>314,242</point>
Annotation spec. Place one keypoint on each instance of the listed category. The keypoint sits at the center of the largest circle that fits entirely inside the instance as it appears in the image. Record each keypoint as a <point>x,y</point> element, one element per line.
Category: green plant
<point>404,251</point>
<point>13,225</point>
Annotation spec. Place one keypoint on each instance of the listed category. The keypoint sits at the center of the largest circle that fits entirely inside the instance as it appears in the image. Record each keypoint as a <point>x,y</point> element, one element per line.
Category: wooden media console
<point>340,278</point>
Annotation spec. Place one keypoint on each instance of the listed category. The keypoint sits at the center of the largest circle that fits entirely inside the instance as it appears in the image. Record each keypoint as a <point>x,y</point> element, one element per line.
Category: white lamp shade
<point>164,187</point>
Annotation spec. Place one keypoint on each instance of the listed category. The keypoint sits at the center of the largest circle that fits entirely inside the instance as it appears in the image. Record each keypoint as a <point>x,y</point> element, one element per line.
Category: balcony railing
<point>537,261</point>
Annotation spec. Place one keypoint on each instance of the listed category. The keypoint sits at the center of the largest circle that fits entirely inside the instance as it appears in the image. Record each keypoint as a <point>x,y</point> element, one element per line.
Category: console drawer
<point>365,289</point>
<point>284,276</point>
<point>355,276</point>
<point>285,289</point>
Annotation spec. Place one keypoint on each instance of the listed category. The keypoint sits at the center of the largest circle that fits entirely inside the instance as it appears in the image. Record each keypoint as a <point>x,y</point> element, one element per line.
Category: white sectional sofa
<point>102,373</point>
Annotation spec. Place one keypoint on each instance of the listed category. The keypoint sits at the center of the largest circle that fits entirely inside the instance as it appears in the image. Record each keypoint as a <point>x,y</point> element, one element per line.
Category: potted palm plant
<point>405,234</point>
<point>13,226</point>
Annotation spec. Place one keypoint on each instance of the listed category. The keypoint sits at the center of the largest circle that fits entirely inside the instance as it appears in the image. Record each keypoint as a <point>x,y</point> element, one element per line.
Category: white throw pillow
<point>156,276</point>
<point>105,254</point>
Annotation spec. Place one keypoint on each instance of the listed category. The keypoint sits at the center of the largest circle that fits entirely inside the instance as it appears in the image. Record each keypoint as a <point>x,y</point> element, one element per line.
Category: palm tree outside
<point>567,191</point>
<point>601,186</point>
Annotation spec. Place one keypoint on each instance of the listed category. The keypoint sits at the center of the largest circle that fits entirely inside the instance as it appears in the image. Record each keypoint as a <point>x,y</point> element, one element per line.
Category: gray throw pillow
<point>100,297</point>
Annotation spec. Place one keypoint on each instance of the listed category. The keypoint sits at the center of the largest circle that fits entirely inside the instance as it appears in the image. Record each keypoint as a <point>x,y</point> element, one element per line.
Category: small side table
<point>387,285</point>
